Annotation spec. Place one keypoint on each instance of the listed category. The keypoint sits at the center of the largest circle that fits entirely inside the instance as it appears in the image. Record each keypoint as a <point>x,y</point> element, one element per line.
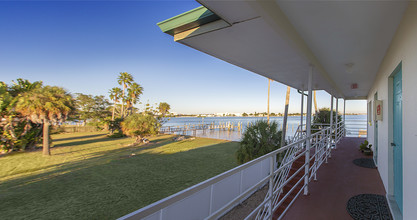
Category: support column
<point>302,110</point>
<point>315,103</point>
<point>344,117</point>
<point>337,121</point>
<point>308,125</point>
<point>269,89</point>
<point>331,122</point>
<point>344,109</point>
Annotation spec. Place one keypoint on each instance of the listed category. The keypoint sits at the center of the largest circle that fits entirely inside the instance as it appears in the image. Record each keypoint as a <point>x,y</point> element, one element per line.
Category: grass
<point>91,176</point>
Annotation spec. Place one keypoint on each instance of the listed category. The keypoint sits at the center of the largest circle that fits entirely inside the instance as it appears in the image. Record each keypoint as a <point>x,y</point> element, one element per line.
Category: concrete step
<point>297,164</point>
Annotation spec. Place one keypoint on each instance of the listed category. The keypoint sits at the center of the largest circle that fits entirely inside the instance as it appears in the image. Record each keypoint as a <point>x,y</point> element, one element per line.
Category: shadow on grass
<point>79,137</point>
<point>93,159</point>
<point>98,158</point>
<point>109,185</point>
<point>158,140</point>
<point>89,141</point>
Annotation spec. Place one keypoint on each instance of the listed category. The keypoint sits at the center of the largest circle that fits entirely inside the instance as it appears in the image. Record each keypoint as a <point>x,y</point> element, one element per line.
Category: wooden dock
<point>193,128</point>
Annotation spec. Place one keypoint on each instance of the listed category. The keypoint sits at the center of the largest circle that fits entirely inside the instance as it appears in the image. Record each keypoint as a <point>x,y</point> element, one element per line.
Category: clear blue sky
<point>82,46</point>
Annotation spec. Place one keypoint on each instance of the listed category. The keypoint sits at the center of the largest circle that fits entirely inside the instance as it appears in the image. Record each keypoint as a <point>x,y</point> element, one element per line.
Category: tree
<point>85,107</point>
<point>284,123</point>
<point>164,108</point>
<point>7,134</point>
<point>16,133</point>
<point>91,107</point>
<point>125,79</point>
<point>323,116</point>
<point>47,105</point>
<point>6,100</point>
<point>258,139</point>
<point>140,125</point>
<point>115,96</point>
<point>244,114</point>
<point>101,107</point>
<point>133,93</point>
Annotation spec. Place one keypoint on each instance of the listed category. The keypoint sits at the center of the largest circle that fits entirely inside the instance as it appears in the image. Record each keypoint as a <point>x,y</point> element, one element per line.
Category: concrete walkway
<point>336,183</point>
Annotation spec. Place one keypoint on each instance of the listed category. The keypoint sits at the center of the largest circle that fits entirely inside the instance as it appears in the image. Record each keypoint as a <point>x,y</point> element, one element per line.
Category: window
<point>370,113</point>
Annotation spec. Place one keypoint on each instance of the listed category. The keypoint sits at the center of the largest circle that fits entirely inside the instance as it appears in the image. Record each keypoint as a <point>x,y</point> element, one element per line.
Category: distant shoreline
<point>249,116</point>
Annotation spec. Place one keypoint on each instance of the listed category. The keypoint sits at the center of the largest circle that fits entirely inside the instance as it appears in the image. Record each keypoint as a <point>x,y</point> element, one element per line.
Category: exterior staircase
<point>297,164</point>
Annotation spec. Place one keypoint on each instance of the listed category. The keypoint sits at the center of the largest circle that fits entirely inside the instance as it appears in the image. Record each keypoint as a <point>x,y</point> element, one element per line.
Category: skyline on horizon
<point>82,46</point>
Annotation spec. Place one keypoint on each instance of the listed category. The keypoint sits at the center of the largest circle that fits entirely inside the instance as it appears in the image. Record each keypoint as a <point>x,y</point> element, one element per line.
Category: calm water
<point>354,123</point>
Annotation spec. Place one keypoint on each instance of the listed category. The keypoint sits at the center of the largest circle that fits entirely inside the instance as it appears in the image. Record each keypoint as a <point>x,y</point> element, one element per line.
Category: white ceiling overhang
<point>345,41</point>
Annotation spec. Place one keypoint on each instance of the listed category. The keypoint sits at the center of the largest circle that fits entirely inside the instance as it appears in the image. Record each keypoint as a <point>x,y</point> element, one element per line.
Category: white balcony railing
<point>215,197</point>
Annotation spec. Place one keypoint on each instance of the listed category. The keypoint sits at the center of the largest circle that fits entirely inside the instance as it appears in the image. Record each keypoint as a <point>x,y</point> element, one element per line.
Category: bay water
<point>355,125</point>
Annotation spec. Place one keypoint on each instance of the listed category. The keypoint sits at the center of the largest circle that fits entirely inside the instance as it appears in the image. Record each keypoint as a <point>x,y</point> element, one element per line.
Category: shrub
<point>140,125</point>
<point>257,140</point>
<point>366,148</point>
<point>116,135</point>
<point>323,116</point>
<point>115,125</point>
<point>19,135</point>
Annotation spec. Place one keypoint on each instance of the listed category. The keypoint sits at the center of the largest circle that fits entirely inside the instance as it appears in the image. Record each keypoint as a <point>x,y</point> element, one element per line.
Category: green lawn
<point>90,176</point>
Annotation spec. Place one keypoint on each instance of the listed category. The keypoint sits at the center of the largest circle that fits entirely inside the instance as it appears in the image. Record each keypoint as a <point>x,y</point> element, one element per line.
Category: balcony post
<point>331,122</point>
<point>269,89</point>
<point>308,126</point>
<point>344,117</point>
<point>271,185</point>
<point>302,110</point>
<point>337,123</point>
<point>327,146</point>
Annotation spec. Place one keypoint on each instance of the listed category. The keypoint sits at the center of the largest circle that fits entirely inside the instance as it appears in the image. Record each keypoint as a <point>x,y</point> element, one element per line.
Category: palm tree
<point>115,95</point>
<point>125,79</point>
<point>24,85</point>
<point>13,125</point>
<point>6,100</point>
<point>47,105</point>
<point>164,108</point>
<point>133,93</point>
<point>284,123</point>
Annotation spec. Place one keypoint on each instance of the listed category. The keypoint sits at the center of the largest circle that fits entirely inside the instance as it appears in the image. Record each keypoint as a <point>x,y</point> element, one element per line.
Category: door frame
<point>375,148</point>
<point>397,213</point>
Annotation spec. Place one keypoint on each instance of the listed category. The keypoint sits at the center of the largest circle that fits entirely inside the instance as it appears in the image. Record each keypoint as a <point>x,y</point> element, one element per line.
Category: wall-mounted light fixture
<point>349,67</point>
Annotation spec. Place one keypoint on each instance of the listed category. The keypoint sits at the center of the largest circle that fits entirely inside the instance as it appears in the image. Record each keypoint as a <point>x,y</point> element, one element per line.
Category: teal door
<point>398,134</point>
<point>375,136</point>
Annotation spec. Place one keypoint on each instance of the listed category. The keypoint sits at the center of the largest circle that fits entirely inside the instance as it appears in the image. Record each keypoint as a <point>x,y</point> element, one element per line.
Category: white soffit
<point>349,38</point>
<point>252,44</point>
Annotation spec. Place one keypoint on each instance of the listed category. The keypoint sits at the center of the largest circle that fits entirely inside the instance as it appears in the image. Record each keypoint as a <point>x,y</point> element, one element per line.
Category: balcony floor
<point>336,183</point>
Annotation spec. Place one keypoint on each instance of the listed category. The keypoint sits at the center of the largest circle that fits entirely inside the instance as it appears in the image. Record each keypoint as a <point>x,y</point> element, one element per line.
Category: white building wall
<point>403,49</point>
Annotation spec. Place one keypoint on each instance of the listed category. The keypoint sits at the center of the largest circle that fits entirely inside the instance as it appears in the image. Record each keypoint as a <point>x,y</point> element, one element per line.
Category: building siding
<point>403,49</point>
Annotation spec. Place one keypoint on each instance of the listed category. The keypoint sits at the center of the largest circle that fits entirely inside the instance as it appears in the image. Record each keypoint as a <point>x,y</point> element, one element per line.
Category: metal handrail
<point>274,196</point>
<point>277,178</point>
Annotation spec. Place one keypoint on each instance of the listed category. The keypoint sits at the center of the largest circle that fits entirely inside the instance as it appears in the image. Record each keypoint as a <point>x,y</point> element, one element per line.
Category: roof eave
<point>187,20</point>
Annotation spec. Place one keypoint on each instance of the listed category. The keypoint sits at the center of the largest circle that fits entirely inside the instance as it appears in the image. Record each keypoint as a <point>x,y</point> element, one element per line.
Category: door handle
<point>393,145</point>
